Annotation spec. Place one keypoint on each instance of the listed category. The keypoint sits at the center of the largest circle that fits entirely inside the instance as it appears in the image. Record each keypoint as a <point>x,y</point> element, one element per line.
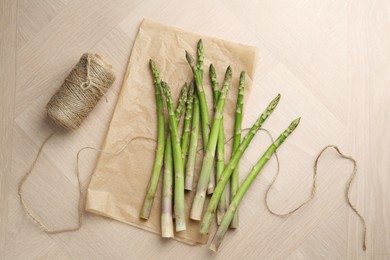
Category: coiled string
<point>88,81</point>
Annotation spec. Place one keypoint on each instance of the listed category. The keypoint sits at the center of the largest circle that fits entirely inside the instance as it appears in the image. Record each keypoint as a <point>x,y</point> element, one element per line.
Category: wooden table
<point>328,59</point>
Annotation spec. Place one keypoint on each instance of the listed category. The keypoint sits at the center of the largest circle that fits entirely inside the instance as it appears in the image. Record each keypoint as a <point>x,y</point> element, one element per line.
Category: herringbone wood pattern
<point>329,60</point>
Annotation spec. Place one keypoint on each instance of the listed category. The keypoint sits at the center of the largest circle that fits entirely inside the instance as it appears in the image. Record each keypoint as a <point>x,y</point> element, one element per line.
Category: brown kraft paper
<point>120,180</point>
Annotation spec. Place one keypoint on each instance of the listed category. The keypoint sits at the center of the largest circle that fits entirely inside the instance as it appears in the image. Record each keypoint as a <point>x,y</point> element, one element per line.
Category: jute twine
<point>80,207</point>
<point>286,214</point>
<point>86,84</point>
<point>88,81</point>
<point>314,186</point>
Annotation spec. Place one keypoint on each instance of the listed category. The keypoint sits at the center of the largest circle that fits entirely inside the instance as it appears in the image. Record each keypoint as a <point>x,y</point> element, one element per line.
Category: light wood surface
<point>329,60</point>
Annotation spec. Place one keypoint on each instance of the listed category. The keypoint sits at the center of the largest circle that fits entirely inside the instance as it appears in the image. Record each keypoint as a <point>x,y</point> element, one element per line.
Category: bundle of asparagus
<point>177,154</point>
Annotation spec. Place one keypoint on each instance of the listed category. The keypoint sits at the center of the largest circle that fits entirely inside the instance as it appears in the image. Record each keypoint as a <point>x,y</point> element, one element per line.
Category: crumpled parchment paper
<point>119,181</point>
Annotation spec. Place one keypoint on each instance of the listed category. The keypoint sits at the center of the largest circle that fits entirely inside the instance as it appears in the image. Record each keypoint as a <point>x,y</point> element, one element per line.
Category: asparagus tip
<point>274,103</point>
<point>295,123</point>
<point>212,69</point>
<point>164,87</point>
<point>153,66</point>
<point>188,55</point>
<point>190,89</point>
<point>229,72</point>
<point>184,90</point>
<point>242,76</point>
<point>190,59</point>
<point>200,55</point>
<point>200,43</point>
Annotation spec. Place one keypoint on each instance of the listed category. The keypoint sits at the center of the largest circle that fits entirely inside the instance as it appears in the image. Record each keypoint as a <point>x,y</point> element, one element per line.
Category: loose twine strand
<point>31,213</point>
<point>87,82</point>
<point>314,185</point>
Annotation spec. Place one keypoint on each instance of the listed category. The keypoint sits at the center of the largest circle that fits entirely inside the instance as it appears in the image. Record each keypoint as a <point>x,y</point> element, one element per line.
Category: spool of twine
<point>88,81</point>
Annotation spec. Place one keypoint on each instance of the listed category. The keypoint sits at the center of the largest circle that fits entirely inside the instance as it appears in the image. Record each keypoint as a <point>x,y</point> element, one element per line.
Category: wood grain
<point>329,59</point>
<point>8,21</point>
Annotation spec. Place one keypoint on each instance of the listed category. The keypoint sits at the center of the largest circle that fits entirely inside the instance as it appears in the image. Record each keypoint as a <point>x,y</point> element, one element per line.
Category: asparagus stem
<point>158,162</point>
<point>185,139</point>
<point>220,168</point>
<point>197,70</point>
<point>198,77</point>
<point>190,167</point>
<point>236,143</point>
<point>177,162</point>
<point>222,181</point>
<point>208,159</point>
<point>211,184</point>
<point>220,144</point>
<point>218,237</point>
<point>166,209</point>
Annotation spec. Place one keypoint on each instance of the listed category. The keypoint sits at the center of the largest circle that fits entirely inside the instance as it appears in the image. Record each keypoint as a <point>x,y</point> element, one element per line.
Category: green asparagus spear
<point>247,182</point>
<point>158,162</point>
<point>177,162</point>
<point>208,159</point>
<point>190,167</point>
<point>220,168</point>
<point>197,70</point>
<point>236,143</point>
<point>222,181</point>
<point>185,139</point>
<point>167,190</point>
<point>220,144</point>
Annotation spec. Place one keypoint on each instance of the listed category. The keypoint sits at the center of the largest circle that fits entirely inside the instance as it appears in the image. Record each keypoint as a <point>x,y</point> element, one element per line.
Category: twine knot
<point>88,81</point>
